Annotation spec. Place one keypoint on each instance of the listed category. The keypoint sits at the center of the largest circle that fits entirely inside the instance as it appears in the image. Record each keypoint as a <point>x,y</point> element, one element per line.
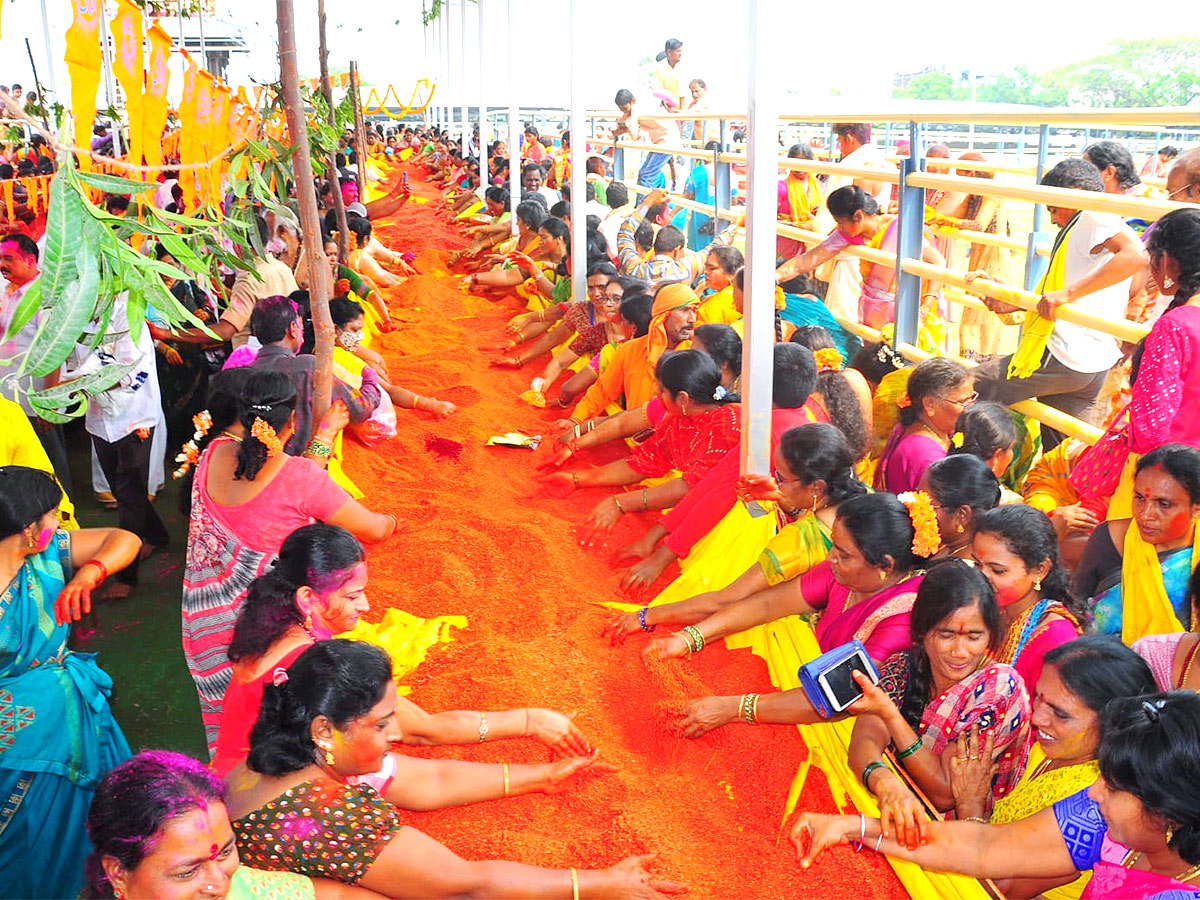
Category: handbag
<point>836,666</point>
<point>1098,470</point>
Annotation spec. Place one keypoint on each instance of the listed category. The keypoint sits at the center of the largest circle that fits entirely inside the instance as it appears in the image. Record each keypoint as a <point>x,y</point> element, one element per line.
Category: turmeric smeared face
<point>1162,509</point>
<point>360,748</point>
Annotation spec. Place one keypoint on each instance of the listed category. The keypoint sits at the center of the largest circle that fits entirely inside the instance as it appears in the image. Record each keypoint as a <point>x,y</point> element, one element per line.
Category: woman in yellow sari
<point>1137,570</point>
<point>1077,682</point>
<point>813,474</point>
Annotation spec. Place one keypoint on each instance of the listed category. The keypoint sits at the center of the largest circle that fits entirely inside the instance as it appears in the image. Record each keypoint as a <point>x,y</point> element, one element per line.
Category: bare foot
<point>117,590</point>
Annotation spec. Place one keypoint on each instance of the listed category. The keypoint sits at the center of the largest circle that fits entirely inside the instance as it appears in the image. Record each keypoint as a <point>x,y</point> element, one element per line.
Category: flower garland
<point>266,436</point>
<point>190,452</point>
<point>828,360</point>
<point>904,401</point>
<point>927,538</point>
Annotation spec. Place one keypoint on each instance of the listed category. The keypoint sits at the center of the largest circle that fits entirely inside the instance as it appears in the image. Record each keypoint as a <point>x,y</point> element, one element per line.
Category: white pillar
<point>578,155</point>
<point>49,62</point>
<point>761,186</point>
<point>514,133</point>
<point>448,119</point>
<point>462,75</point>
<point>483,121</point>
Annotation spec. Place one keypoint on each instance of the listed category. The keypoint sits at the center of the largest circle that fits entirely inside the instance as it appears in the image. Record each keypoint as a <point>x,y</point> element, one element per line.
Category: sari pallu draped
<point>57,734</point>
<point>992,692</point>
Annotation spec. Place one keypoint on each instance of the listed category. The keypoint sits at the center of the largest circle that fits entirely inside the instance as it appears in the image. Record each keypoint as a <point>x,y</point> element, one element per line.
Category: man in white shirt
<point>619,208</point>
<point>657,131</point>
<point>121,422</point>
<point>843,272</point>
<point>19,267</point>
<point>1102,254</point>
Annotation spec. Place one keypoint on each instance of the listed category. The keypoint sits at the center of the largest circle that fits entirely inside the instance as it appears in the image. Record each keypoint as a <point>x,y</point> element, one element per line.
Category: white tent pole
<point>762,185</point>
<point>578,157</point>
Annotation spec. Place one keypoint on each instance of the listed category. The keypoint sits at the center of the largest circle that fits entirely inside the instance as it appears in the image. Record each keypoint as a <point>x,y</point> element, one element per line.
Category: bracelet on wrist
<point>747,708</point>
<point>641,616</point>
<point>99,565</point>
<point>319,449</point>
<point>980,819</point>
<point>694,638</point>
<point>869,769</point>
<point>909,750</point>
<point>645,498</point>
<point>617,502</point>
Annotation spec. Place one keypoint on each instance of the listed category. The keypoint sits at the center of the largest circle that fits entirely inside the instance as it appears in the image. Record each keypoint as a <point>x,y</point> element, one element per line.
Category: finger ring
<point>973,756</point>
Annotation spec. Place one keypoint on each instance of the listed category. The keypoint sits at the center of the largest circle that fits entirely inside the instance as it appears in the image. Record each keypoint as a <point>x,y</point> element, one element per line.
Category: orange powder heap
<point>483,539</point>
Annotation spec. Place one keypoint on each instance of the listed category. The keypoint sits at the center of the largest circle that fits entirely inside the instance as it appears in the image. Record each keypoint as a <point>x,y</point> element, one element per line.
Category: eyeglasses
<point>1190,188</point>
<point>962,404</point>
<point>779,479</point>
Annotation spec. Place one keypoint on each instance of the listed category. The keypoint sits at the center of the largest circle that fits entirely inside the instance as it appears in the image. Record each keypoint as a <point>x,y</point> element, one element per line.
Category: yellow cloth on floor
<point>406,638</point>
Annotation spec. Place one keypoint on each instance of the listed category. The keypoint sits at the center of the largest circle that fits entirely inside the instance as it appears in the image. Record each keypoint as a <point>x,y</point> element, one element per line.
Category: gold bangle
<point>505,778</point>
<point>575,479</point>
<point>617,501</point>
<point>978,819</point>
<point>645,498</point>
<point>574,885</point>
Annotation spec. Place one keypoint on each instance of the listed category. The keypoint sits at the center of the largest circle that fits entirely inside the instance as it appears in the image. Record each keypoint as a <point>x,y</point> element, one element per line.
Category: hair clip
<point>1153,709</point>
<point>720,392</point>
<point>279,677</point>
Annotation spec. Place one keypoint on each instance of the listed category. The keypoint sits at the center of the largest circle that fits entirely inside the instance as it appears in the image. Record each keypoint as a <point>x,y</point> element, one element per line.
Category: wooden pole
<point>319,282</point>
<point>331,171</point>
<point>360,133</point>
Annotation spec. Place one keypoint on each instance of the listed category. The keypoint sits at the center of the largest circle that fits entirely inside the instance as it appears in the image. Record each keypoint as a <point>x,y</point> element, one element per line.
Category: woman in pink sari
<point>864,589</point>
<point>1137,829</point>
<point>247,496</point>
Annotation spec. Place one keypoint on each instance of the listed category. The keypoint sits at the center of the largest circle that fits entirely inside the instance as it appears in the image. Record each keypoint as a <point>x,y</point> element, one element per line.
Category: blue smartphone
<point>404,177</point>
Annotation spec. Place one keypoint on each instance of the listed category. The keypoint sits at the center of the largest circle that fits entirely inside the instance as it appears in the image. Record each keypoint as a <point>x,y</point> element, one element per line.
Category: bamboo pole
<point>331,171</point>
<point>319,285</point>
<point>360,132</point>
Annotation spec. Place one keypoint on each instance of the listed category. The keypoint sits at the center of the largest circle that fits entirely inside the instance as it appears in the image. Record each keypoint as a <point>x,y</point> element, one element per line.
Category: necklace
<point>941,438</point>
<point>231,436</point>
<point>1132,857</point>
<point>1021,631</point>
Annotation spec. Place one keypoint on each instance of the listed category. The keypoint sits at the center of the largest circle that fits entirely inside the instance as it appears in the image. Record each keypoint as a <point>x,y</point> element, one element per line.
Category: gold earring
<point>960,528</point>
<point>883,574</point>
<point>328,753</point>
<point>1170,834</point>
<point>308,623</point>
<point>1037,584</point>
<point>30,541</point>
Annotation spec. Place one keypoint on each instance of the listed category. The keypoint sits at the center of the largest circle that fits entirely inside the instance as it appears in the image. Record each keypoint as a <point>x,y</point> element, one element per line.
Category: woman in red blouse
<point>703,422</point>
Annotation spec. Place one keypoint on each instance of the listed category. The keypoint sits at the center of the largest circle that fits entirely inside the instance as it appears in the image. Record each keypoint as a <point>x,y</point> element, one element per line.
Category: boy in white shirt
<point>1100,254</point>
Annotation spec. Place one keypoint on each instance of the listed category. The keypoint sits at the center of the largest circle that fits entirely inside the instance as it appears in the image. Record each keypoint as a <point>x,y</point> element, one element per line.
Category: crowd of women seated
<point>1024,709</point>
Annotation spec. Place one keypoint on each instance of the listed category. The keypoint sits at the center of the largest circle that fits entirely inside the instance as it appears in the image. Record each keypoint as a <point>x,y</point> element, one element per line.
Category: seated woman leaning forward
<point>1136,570</point>
<point>316,794</point>
<point>315,590</point>
<point>1136,829</point>
<point>1077,681</point>
<point>160,831</point>
<point>866,588</point>
<point>813,475</point>
<point>944,687</point>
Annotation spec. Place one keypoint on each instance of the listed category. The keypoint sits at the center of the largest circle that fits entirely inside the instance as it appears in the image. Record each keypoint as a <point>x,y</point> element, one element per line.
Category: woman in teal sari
<point>57,734</point>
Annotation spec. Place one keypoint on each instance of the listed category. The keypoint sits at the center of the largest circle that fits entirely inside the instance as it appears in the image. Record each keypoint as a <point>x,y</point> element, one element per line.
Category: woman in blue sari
<point>57,734</point>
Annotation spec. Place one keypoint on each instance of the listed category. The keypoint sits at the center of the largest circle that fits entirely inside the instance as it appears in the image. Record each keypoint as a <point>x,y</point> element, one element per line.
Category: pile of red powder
<point>481,538</point>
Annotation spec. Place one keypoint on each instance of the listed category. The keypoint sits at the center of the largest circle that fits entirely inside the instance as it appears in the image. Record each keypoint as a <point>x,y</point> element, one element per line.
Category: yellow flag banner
<point>154,105</point>
<point>218,130</point>
<point>83,58</point>
<point>189,145</point>
<point>205,81</point>
<point>128,36</point>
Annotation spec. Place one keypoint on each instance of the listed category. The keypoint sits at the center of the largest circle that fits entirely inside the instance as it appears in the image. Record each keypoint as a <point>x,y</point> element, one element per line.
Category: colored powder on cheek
<point>491,545</point>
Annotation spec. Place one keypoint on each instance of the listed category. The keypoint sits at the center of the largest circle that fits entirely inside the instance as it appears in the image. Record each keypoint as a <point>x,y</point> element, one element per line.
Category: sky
<point>814,56</point>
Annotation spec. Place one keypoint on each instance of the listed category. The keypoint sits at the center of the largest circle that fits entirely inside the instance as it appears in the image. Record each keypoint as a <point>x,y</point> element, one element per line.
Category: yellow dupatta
<point>1145,606</point>
<point>1036,331</point>
<point>803,197</point>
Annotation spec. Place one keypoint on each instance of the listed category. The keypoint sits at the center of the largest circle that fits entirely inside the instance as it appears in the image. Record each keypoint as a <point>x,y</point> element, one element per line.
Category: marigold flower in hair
<point>904,401</point>
<point>828,360</point>
<point>202,421</point>
<point>958,439</point>
<point>188,457</point>
<point>927,539</point>
<point>266,435</point>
